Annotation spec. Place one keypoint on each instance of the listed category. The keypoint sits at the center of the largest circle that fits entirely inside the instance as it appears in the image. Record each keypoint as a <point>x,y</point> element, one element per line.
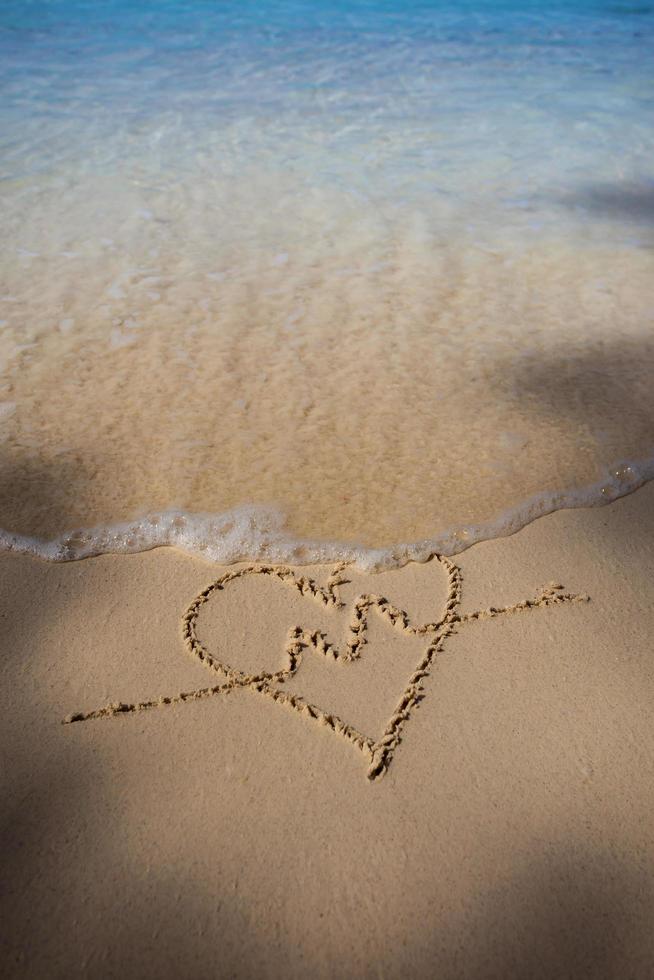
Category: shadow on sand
<point>631,201</point>
<point>40,792</point>
<point>604,391</point>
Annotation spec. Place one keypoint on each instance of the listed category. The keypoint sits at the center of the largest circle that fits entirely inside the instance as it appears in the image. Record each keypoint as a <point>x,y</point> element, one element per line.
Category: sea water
<point>312,279</point>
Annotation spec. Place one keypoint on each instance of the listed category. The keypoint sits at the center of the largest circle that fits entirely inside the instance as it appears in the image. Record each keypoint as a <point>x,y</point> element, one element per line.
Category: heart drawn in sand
<point>377,752</point>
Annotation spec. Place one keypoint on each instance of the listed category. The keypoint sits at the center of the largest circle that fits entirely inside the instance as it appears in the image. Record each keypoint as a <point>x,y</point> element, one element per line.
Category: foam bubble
<point>254,532</point>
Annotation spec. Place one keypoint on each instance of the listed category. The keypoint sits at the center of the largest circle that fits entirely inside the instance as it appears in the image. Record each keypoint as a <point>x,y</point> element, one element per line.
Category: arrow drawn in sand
<point>377,752</point>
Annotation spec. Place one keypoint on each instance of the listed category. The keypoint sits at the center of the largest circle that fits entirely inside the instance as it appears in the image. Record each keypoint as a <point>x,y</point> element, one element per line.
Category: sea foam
<point>256,533</point>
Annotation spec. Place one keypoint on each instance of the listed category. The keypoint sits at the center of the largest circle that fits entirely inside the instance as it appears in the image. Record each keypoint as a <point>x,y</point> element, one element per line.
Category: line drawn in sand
<point>378,752</point>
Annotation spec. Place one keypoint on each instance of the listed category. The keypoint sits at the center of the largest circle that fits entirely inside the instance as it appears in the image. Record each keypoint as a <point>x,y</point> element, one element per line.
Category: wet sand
<point>376,408</point>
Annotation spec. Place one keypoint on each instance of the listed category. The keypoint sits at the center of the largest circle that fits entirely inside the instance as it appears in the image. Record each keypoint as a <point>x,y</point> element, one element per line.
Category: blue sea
<point>302,280</point>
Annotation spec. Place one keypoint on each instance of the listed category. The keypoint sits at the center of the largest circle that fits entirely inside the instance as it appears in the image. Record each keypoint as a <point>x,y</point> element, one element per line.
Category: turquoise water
<point>389,101</point>
<point>219,217</point>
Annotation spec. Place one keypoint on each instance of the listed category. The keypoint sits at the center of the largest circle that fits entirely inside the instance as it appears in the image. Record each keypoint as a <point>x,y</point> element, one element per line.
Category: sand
<point>508,829</point>
<point>375,402</point>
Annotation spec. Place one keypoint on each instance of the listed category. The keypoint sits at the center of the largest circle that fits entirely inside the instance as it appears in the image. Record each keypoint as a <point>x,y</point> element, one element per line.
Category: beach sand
<point>510,836</point>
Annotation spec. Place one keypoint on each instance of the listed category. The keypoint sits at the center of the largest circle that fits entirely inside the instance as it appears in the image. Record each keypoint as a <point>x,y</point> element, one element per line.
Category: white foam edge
<point>257,533</point>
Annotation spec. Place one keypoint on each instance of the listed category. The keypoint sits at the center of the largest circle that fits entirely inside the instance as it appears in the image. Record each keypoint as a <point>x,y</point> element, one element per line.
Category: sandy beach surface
<point>237,833</point>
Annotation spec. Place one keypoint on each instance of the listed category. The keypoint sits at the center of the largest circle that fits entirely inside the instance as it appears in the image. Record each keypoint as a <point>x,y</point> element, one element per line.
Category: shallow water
<point>329,272</point>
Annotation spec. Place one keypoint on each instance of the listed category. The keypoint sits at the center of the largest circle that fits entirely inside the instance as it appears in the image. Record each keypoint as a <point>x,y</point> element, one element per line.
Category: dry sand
<point>511,835</point>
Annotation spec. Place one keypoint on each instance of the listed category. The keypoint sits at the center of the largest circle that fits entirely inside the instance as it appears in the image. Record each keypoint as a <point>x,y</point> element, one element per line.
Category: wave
<point>258,533</point>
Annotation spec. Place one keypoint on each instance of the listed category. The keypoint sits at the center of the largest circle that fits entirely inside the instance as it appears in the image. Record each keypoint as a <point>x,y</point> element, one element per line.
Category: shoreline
<point>258,533</point>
